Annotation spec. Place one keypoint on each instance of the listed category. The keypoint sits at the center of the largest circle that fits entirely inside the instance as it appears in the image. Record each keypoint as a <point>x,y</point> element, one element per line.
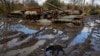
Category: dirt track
<point>63,34</point>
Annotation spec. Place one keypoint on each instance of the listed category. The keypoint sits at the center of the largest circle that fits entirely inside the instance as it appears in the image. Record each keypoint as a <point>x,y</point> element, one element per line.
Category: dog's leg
<point>57,53</point>
<point>63,52</point>
<point>52,53</point>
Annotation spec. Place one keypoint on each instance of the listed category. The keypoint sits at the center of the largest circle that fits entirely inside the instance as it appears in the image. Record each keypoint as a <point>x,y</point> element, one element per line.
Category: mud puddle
<point>80,38</point>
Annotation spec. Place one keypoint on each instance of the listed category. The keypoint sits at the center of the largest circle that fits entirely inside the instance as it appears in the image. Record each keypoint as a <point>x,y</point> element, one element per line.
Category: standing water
<point>24,29</point>
<point>79,39</point>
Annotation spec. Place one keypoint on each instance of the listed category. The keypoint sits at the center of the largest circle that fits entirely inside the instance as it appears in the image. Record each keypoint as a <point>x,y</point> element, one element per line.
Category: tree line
<point>10,5</point>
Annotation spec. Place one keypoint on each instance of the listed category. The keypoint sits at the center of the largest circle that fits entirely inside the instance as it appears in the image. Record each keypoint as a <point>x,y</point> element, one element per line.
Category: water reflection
<point>79,39</point>
<point>24,29</point>
<point>47,36</point>
<point>15,42</point>
<point>53,31</point>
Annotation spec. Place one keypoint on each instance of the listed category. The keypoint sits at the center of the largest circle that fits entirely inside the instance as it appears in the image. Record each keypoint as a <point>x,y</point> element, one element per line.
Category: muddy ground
<point>28,38</point>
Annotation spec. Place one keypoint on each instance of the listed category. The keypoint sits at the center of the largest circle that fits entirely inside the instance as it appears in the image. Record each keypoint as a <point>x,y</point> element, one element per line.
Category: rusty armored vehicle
<point>29,13</point>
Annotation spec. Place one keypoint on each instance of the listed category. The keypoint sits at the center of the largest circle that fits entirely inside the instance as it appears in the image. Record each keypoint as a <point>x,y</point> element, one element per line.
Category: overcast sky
<point>96,1</point>
<point>89,1</point>
<point>66,1</point>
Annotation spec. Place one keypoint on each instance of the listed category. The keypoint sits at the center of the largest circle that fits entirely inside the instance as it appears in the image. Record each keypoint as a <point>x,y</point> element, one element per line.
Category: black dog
<point>54,48</point>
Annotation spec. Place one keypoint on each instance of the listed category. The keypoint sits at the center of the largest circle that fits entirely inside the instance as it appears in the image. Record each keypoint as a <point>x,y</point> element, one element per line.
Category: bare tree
<point>31,3</point>
<point>92,2</point>
<point>6,6</point>
<point>78,2</point>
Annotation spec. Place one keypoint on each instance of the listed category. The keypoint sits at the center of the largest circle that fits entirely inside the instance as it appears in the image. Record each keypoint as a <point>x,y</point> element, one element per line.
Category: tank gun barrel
<point>54,6</point>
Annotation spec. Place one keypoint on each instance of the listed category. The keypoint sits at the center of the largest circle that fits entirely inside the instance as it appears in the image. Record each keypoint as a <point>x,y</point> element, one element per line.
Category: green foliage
<point>54,2</point>
<point>87,10</point>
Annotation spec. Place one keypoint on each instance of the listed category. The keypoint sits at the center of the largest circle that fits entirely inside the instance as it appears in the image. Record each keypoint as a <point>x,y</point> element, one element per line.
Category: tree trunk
<point>92,2</point>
